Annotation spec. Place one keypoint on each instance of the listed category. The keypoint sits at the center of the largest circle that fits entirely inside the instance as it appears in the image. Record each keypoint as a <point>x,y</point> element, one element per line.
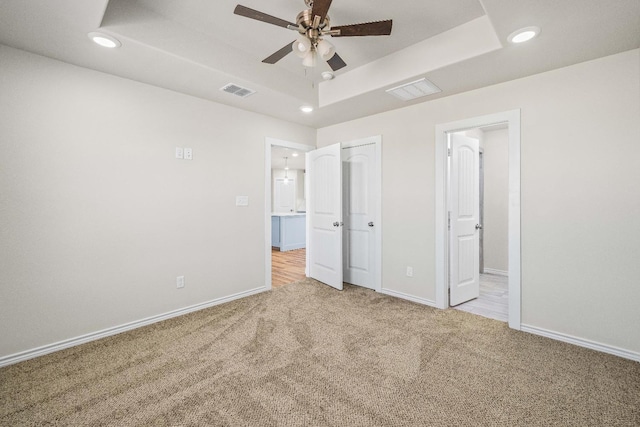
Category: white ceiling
<point>294,162</point>
<point>197,46</point>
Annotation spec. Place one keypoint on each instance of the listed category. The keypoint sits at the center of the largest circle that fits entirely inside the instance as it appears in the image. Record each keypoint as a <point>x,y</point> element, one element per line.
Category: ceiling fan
<point>312,24</point>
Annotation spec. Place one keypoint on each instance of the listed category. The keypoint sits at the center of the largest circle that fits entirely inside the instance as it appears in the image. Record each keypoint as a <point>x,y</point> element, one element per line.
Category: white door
<point>359,204</point>
<point>284,197</point>
<point>324,215</point>
<point>465,213</point>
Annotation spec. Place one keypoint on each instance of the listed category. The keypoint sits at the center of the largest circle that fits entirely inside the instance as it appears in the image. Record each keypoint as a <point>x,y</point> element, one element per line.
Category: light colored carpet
<point>305,354</point>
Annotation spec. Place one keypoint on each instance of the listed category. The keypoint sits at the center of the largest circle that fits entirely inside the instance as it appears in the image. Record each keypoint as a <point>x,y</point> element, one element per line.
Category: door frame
<point>269,144</point>
<point>512,118</point>
<point>377,142</point>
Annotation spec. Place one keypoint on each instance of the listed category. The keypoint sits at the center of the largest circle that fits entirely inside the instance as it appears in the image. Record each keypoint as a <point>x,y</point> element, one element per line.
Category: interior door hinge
<point>448,152</point>
<point>449,220</point>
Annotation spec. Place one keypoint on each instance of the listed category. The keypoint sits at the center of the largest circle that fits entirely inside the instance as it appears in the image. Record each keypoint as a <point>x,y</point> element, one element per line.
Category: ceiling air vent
<point>413,90</point>
<point>242,92</point>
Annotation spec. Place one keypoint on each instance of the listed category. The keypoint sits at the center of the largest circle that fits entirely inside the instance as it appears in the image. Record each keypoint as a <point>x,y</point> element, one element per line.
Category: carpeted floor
<point>305,354</point>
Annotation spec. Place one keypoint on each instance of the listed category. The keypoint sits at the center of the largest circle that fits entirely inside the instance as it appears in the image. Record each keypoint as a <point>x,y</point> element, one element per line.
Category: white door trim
<point>269,143</point>
<point>377,140</point>
<point>512,118</point>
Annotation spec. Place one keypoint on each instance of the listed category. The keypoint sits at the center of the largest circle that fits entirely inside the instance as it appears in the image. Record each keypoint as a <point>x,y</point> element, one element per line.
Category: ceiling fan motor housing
<point>305,20</point>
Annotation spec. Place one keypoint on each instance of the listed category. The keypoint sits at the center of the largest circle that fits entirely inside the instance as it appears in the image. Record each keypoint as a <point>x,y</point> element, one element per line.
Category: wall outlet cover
<point>188,154</point>
<point>179,153</point>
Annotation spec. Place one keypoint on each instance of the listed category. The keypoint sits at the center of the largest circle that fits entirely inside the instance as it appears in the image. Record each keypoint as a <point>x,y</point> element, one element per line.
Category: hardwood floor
<point>287,267</point>
<point>493,301</point>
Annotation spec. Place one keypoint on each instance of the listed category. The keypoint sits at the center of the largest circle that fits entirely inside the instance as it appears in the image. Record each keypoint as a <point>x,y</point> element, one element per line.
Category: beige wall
<point>580,204</point>
<point>97,217</point>
<point>496,200</point>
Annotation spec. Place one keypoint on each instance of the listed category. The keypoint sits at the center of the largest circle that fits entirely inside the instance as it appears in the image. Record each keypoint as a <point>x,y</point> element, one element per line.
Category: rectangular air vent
<point>413,90</point>
<point>240,91</point>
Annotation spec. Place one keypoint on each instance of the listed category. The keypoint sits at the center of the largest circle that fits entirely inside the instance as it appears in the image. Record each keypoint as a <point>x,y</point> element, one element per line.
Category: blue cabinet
<point>288,231</point>
<point>275,231</point>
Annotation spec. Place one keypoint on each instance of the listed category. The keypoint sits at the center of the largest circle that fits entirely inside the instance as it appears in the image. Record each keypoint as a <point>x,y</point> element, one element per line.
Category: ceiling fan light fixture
<point>312,24</point>
<point>325,49</point>
<point>302,46</point>
<point>523,35</point>
<point>309,59</point>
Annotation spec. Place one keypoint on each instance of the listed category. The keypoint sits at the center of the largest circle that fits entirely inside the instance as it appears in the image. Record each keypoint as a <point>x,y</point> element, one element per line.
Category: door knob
<point>478,227</point>
<point>370,224</point>
<point>336,224</point>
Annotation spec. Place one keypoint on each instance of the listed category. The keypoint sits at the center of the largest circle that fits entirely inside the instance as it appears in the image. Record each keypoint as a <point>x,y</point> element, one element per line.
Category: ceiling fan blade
<point>260,16</point>
<point>378,28</point>
<point>335,62</point>
<point>277,56</point>
<point>320,8</point>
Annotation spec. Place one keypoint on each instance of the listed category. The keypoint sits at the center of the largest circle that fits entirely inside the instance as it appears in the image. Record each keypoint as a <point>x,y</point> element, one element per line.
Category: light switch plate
<point>188,154</point>
<point>242,200</point>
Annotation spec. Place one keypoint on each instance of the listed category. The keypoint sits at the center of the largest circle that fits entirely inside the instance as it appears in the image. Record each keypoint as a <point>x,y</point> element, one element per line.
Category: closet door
<point>360,219</point>
<point>324,215</point>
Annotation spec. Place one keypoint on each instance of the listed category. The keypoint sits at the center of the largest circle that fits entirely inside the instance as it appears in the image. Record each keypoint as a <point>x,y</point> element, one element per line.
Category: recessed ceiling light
<point>523,34</point>
<point>104,40</point>
<point>295,154</point>
<point>306,109</point>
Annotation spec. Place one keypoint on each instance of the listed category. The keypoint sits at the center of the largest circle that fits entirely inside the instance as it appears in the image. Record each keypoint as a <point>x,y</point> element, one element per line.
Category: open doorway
<point>492,292</point>
<point>285,215</point>
<point>512,120</point>
<point>360,164</point>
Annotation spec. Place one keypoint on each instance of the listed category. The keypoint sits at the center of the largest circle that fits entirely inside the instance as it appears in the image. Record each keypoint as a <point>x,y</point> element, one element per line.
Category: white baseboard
<point>402,295</point>
<point>496,272</point>
<point>604,348</point>
<point>72,342</point>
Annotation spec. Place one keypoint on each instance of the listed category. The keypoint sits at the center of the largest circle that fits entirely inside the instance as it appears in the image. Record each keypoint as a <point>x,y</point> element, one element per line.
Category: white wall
<point>496,200</point>
<point>580,203</point>
<point>97,217</point>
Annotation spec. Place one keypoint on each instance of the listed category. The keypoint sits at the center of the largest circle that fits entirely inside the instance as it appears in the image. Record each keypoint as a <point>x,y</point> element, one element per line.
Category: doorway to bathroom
<point>458,266</point>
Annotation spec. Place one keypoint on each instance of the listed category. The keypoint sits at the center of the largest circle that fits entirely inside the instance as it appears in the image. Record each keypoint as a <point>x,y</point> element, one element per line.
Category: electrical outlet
<point>409,271</point>
<point>179,153</point>
<point>188,154</point>
<point>180,282</point>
